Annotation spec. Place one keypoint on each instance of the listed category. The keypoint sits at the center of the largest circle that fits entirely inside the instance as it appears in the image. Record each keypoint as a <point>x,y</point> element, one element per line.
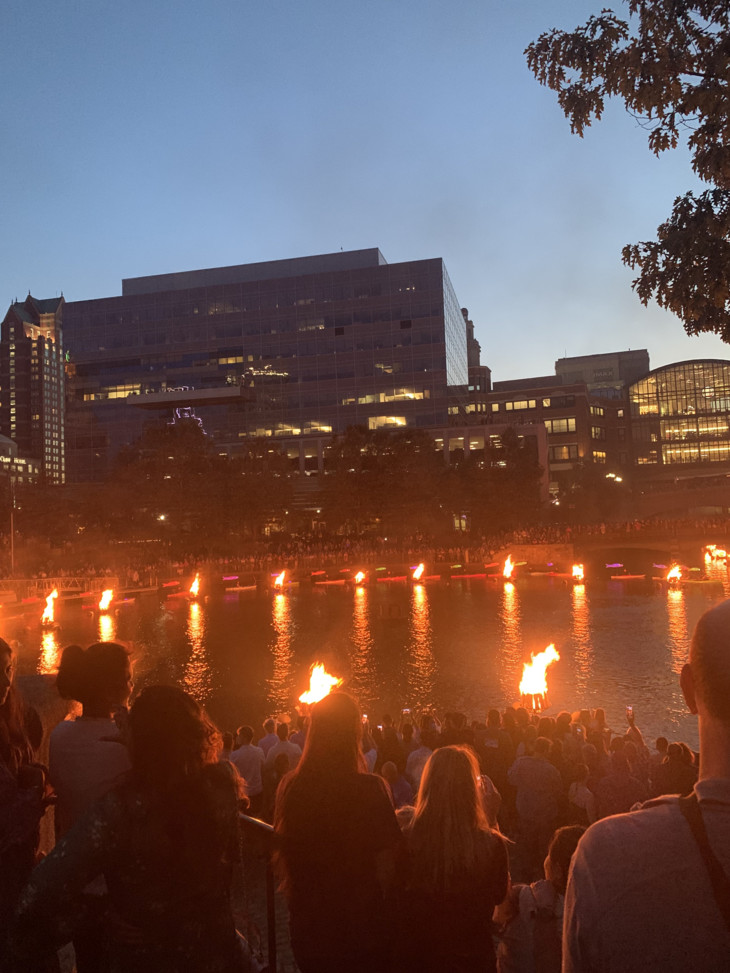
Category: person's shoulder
<point>646,824</point>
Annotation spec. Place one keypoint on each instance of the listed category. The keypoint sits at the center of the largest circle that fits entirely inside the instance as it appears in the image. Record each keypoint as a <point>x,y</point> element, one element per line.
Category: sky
<point>146,138</point>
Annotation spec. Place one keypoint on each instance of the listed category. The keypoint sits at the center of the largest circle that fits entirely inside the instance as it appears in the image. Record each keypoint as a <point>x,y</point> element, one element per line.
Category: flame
<point>578,572</point>
<point>534,682</point>
<point>106,599</point>
<point>279,579</point>
<point>195,586</point>
<point>509,567</point>
<point>674,574</point>
<point>321,684</point>
<point>719,553</point>
<point>359,577</point>
<point>418,573</point>
<point>47,615</point>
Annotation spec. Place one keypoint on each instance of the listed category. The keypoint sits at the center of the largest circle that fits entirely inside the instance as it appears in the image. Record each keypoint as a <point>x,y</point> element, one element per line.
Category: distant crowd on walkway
<point>519,843</point>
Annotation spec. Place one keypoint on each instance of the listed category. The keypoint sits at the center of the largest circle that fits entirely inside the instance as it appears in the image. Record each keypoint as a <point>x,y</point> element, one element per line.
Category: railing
<point>267,837</point>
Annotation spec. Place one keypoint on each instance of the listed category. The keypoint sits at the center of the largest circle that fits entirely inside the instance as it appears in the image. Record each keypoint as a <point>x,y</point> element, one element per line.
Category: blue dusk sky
<point>149,137</point>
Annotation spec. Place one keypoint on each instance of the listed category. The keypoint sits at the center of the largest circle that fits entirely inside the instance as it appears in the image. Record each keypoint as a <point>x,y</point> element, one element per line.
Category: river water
<point>454,646</point>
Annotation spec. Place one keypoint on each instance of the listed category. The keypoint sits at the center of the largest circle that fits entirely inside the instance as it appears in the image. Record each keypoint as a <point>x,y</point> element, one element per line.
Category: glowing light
<point>279,579</point>
<point>47,616</point>
<point>50,654</point>
<point>106,599</point>
<point>321,684</point>
<point>418,572</point>
<point>359,577</point>
<point>674,575</point>
<point>195,586</point>
<point>534,676</point>
<point>578,572</point>
<point>509,567</point>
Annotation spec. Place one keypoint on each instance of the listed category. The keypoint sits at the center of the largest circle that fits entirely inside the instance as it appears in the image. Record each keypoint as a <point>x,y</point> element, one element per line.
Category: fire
<point>674,574</point>
<point>418,572</point>
<point>578,572</point>
<point>509,567</point>
<point>359,577</point>
<point>279,579</point>
<point>195,586</point>
<point>106,599</point>
<point>534,681</point>
<point>47,616</point>
<point>321,684</point>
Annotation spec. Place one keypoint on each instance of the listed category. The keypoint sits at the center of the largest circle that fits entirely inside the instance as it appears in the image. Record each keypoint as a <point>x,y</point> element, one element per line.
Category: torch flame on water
<point>195,586</point>
<point>509,567</point>
<point>279,579</point>
<point>106,599</point>
<point>534,681</point>
<point>418,572</point>
<point>321,684</point>
<point>47,615</point>
<point>578,572</point>
<point>674,574</point>
<point>359,577</point>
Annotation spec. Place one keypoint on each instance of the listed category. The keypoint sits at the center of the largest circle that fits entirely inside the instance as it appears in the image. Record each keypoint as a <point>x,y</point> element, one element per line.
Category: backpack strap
<point>690,808</point>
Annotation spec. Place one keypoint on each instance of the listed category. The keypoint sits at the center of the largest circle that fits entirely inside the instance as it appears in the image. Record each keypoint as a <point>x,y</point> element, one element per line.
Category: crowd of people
<point>521,843</point>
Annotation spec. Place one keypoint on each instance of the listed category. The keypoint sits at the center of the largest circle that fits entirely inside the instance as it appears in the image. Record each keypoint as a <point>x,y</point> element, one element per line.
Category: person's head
<point>269,725</point>
<point>661,744</point>
<point>562,722</point>
<point>560,852</point>
<point>245,735</point>
<point>705,679</point>
<point>407,732</point>
<point>449,827</point>
<point>687,754</point>
<point>282,731</point>
<point>545,727</point>
<point>494,721</point>
<point>227,741</point>
<point>333,740</point>
<point>674,754</point>
<point>389,771</point>
<point>170,737</point>
<point>100,677</point>
<point>542,747</point>
<point>600,716</point>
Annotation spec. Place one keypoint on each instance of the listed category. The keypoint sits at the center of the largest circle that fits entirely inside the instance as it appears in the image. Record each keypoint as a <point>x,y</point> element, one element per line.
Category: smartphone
<point>629,713</point>
<point>579,731</point>
<point>364,717</point>
<point>380,727</point>
<point>406,712</point>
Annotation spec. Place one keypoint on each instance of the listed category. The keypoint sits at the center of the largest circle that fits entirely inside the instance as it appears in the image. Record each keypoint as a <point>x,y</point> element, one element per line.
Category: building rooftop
<point>246,273</point>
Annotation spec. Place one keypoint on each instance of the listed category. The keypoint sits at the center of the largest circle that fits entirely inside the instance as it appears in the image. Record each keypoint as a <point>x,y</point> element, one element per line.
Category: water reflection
<point>583,650</point>
<point>280,685</point>
<point>50,653</point>
<point>197,677</point>
<point>106,627</point>
<point>510,658</point>
<point>361,662</point>
<point>677,628</point>
<point>421,661</point>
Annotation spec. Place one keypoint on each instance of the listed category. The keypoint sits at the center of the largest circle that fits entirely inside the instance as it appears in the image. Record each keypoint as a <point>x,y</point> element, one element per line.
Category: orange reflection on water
<point>107,628</point>
<point>50,654</point>
<point>197,678</point>
<point>280,685</point>
<point>361,663</point>
<point>421,662</point>
<point>677,628</point>
<point>582,648</point>
<point>510,658</point>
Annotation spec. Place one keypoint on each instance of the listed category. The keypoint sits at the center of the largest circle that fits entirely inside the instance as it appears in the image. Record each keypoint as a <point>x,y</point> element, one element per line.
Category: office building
<point>606,375</point>
<point>32,394</point>
<point>288,348</point>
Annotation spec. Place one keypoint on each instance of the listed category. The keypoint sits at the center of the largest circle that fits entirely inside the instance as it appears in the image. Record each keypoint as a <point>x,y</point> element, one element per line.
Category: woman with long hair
<point>22,798</point>
<point>164,841</point>
<point>455,874</point>
<point>338,837</point>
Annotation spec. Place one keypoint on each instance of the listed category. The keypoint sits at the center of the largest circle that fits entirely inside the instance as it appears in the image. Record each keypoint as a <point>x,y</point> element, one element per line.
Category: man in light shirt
<point>249,760</point>
<point>283,745</point>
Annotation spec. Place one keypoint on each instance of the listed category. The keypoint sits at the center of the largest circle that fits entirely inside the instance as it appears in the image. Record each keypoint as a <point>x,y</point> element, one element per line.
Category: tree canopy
<point>670,64</point>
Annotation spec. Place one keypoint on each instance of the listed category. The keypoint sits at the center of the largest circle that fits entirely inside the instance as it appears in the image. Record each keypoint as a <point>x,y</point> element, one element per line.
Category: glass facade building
<point>680,418</point>
<point>302,347</point>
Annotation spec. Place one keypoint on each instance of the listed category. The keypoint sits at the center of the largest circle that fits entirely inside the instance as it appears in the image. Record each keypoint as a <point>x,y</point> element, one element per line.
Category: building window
<point>560,425</point>
<point>599,456</point>
<point>598,432</point>
<point>558,454</point>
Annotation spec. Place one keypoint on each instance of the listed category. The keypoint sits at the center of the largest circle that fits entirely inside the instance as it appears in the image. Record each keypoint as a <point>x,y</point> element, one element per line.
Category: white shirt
<point>83,764</point>
<point>639,896</point>
<point>249,760</point>
<point>292,751</point>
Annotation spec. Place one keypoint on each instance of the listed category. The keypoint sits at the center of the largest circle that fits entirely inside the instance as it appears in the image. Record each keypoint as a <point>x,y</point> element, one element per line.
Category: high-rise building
<point>32,393</point>
<point>289,349</point>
